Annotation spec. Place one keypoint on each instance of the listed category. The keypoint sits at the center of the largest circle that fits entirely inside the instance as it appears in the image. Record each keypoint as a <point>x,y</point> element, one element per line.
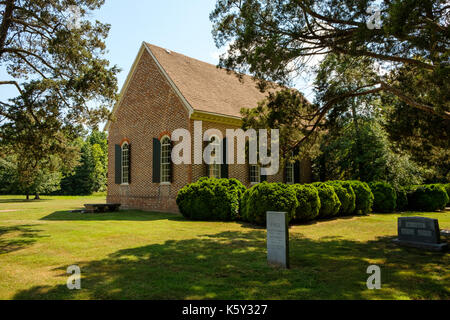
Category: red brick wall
<point>149,109</point>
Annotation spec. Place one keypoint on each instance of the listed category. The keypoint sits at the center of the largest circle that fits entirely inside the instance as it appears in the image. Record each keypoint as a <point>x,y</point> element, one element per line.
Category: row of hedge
<point>429,197</point>
<point>229,199</point>
<point>307,201</point>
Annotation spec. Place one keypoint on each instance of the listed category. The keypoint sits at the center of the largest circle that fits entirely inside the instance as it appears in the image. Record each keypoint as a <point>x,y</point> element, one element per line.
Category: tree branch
<point>13,83</point>
<point>322,113</point>
<point>410,101</point>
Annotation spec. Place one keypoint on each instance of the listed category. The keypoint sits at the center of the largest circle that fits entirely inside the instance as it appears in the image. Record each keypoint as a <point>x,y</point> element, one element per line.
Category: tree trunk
<point>28,195</point>
<point>359,150</point>
<point>36,197</point>
<point>6,23</point>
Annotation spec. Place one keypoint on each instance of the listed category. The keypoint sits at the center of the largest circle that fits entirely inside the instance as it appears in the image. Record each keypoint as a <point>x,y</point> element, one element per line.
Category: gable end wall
<point>149,108</point>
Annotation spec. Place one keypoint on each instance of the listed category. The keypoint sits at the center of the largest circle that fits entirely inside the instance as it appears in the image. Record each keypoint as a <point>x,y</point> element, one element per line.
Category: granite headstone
<point>420,232</point>
<point>277,239</point>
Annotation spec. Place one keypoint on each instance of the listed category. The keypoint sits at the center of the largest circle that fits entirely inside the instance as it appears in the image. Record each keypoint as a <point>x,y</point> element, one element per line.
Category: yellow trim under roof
<point>216,118</point>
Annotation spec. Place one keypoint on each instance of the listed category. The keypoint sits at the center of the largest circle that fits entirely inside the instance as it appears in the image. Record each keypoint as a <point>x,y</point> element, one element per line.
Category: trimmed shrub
<point>265,197</point>
<point>244,207</point>
<point>402,199</point>
<point>346,196</point>
<point>364,197</point>
<point>329,201</point>
<point>385,197</point>
<point>447,189</point>
<point>211,199</point>
<point>429,197</point>
<point>308,202</point>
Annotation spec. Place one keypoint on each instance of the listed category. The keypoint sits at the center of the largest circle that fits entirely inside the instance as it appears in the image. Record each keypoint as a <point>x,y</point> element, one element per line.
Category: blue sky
<point>179,25</point>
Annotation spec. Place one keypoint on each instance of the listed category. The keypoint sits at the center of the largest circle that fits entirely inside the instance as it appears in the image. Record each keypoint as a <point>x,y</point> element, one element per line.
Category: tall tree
<point>55,56</point>
<point>426,137</point>
<point>288,111</point>
<point>342,158</point>
<point>90,174</point>
<point>54,44</point>
<point>39,141</point>
<point>273,39</point>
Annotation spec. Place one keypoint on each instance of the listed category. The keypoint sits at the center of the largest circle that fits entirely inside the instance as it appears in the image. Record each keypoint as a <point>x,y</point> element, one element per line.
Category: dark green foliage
<point>429,197</point>
<point>447,189</point>
<point>425,137</point>
<point>67,66</point>
<point>329,201</point>
<point>8,176</point>
<point>82,181</point>
<point>244,205</point>
<point>64,83</point>
<point>211,199</point>
<point>39,146</point>
<point>346,196</point>
<point>90,174</point>
<point>308,202</point>
<point>264,37</point>
<point>402,199</point>
<point>359,149</point>
<point>385,197</point>
<point>265,197</point>
<point>364,197</point>
<point>279,111</point>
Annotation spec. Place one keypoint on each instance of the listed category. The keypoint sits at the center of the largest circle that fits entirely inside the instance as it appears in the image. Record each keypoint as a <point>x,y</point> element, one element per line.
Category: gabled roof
<point>202,87</point>
<point>206,87</point>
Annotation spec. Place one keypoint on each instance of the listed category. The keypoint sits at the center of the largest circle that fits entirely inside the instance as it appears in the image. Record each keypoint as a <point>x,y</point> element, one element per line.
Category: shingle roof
<point>206,87</point>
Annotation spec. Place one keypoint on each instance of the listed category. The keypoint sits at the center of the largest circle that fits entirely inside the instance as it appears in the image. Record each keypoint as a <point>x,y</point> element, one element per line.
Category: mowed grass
<point>142,255</point>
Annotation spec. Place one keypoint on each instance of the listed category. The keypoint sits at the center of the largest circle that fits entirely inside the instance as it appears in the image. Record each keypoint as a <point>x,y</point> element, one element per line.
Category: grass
<point>139,255</point>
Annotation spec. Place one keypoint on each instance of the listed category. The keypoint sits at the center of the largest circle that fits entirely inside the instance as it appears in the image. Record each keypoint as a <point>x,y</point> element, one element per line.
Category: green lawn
<point>139,255</point>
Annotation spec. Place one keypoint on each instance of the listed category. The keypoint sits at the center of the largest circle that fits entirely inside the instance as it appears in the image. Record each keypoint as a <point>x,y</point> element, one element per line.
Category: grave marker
<point>420,232</point>
<point>277,239</point>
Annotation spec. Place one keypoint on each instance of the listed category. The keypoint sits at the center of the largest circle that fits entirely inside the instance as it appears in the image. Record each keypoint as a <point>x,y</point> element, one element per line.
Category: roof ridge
<point>207,63</point>
<point>207,88</point>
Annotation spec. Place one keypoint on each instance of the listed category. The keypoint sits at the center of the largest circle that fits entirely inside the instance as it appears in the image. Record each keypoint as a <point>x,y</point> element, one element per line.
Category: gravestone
<point>445,233</point>
<point>277,239</point>
<point>421,233</point>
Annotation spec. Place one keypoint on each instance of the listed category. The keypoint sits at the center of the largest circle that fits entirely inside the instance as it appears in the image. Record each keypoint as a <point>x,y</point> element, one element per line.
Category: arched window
<point>255,173</point>
<point>166,160</point>
<point>289,173</point>
<point>214,167</point>
<point>125,162</point>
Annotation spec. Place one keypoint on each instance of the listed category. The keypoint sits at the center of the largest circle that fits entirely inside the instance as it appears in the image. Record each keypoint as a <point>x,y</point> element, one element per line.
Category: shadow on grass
<point>320,220</point>
<point>232,265</point>
<point>17,237</point>
<point>23,200</point>
<point>127,215</point>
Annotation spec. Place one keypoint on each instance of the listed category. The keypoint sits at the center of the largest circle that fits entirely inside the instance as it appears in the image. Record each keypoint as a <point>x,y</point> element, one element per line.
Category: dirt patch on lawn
<point>8,210</point>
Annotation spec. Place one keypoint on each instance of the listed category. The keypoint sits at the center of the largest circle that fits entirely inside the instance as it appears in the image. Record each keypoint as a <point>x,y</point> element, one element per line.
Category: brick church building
<point>165,91</point>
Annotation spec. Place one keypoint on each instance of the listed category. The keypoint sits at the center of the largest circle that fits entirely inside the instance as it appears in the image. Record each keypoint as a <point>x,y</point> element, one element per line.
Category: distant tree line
<point>84,174</point>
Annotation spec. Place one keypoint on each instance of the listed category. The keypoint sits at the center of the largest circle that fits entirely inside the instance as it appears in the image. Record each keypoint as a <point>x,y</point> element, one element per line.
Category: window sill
<point>253,183</point>
<point>124,184</point>
<point>165,183</point>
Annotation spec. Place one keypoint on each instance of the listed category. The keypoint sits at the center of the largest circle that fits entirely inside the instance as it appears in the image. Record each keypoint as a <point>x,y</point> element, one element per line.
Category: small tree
<point>286,110</point>
<point>90,175</point>
<point>39,142</point>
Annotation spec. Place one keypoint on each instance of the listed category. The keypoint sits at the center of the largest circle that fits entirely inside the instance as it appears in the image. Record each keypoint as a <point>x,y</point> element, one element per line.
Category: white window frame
<point>125,163</point>
<point>290,178</point>
<point>214,169</point>
<point>255,173</point>
<point>165,160</point>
